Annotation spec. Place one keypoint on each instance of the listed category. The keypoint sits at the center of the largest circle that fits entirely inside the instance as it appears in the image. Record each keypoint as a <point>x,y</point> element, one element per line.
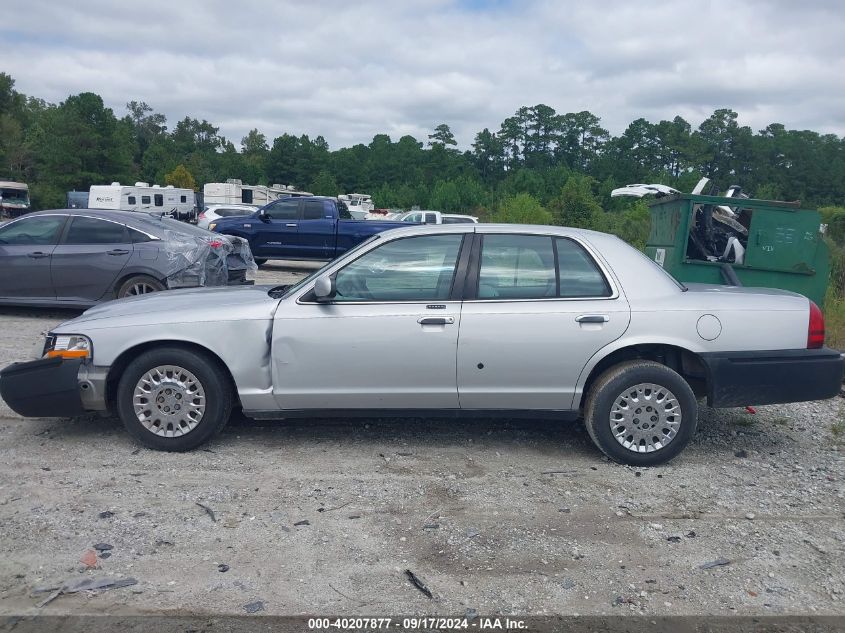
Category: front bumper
<point>48,387</point>
<point>738,379</point>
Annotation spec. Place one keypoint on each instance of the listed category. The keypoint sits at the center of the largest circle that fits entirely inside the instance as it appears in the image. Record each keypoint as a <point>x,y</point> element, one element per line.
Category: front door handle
<point>292,226</point>
<point>118,251</point>
<point>592,318</point>
<point>39,255</point>
<point>436,320</point>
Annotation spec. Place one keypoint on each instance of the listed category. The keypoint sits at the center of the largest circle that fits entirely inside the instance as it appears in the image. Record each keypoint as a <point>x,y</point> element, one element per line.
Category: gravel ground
<point>499,517</point>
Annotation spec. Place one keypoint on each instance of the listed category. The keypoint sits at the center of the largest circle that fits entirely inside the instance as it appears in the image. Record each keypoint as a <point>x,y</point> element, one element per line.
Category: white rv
<point>233,191</point>
<point>14,198</point>
<point>155,199</point>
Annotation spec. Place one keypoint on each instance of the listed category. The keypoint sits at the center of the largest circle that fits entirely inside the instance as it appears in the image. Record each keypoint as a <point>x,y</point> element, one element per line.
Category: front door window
<point>410,269</point>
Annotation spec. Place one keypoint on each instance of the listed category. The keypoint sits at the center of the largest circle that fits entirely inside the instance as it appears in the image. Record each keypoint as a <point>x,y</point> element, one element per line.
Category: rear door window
<point>517,267</point>
<point>94,231</point>
<point>228,213</point>
<point>538,267</point>
<point>578,273</point>
<point>312,210</point>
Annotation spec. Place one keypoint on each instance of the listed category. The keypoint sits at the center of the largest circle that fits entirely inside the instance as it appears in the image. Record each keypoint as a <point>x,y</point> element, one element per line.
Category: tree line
<point>538,166</point>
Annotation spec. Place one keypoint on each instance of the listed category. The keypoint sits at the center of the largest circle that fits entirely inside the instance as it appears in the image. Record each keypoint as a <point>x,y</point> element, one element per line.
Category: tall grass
<point>834,301</point>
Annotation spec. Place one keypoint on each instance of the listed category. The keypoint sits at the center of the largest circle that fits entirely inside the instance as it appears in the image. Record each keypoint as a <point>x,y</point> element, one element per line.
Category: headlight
<point>211,226</point>
<point>68,346</point>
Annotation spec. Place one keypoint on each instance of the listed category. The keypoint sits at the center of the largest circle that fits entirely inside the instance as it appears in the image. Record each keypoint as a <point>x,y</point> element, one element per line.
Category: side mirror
<point>324,289</point>
<point>263,216</point>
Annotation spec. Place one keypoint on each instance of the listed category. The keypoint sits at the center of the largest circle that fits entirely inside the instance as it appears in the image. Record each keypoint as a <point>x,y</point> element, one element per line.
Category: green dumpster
<point>783,247</point>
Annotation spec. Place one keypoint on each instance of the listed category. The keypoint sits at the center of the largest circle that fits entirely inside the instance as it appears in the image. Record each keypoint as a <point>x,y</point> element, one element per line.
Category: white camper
<point>14,198</point>
<point>233,191</point>
<point>157,200</point>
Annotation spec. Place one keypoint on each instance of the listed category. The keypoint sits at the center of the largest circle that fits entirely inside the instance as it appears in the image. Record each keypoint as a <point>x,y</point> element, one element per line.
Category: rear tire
<point>139,285</point>
<point>174,399</point>
<point>641,413</point>
<point>260,261</point>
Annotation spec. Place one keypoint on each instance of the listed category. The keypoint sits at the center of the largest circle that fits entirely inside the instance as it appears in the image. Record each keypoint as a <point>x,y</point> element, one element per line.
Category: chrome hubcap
<point>140,288</point>
<point>645,418</point>
<point>169,401</point>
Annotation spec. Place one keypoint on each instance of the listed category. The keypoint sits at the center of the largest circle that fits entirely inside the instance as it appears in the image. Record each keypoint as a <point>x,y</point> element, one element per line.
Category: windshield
<point>14,196</point>
<point>305,281</point>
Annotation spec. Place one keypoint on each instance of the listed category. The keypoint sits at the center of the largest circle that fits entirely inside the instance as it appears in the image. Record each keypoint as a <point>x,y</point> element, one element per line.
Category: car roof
<point>106,214</point>
<point>531,229</point>
<point>134,219</point>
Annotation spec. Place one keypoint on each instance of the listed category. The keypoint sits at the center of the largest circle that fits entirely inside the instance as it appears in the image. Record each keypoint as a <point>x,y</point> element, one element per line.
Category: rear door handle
<point>118,251</point>
<point>39,255</point>
<point>592,318</point>
<point>293,226</point>
<point>436,320</point>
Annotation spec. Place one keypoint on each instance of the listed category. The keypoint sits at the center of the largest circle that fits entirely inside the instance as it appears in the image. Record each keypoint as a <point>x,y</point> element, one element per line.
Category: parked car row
<point>461,320</point>
<point>79,257</point>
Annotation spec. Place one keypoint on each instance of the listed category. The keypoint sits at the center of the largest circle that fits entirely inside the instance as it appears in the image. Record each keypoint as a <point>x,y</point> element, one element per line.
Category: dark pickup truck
<point>311,227</point>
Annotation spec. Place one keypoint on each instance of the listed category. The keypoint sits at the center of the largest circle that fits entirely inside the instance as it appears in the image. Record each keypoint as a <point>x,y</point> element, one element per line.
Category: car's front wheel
<point>174,399</point>
<point>641,413</point>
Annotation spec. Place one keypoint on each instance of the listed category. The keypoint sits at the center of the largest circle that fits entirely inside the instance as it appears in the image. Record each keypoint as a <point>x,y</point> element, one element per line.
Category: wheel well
<point>122,361</point>
<point>686,363</point>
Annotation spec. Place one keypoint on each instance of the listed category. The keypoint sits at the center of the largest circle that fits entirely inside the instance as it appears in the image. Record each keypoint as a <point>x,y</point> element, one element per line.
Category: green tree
<point>576,206</point>
<point>324,184</point>
<point>522,209</point>
<point>442,136</point>
<point>181,178</point>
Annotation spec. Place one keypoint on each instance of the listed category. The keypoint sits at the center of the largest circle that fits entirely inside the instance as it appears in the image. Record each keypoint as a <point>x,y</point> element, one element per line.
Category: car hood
<point>177,306</point>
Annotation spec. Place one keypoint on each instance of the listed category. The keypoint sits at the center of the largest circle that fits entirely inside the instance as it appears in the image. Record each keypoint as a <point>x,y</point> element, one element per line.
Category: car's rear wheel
<point>641,413</point>
<point>139,285</point>
<point>260,261</point>
<point>174,399</point>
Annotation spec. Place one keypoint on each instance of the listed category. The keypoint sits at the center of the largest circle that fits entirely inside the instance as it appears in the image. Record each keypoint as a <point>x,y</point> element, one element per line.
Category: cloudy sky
<point>351,69</point>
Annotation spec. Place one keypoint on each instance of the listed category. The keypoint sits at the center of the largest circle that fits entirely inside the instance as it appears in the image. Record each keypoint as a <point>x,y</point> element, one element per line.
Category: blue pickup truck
<point>311,227</point>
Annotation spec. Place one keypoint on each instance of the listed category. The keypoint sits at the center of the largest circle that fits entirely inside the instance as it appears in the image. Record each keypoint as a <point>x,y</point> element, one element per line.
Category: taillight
<point>219,243</point>
<point>815,330</point>
<point>202,216</point>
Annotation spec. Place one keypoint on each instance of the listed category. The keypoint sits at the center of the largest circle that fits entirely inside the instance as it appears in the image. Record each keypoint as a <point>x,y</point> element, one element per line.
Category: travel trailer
<point>14,199</point>
<point>155,199</point>
<point>233,191</point>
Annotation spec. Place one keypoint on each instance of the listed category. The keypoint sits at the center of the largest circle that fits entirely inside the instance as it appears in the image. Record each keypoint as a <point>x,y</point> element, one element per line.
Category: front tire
<point>174,399</point>
<point>641,413</point>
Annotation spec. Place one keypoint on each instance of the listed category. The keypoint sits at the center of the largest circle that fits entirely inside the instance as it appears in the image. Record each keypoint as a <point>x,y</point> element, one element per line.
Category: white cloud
<point>351,70</point>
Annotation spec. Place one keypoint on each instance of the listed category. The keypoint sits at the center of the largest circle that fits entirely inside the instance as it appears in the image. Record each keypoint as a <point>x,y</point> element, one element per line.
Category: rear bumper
<point>43,388</point>
<point>773,377</point>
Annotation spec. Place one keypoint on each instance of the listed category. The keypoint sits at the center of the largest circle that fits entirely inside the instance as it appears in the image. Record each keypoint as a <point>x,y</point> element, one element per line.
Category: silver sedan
<point>447,320</point>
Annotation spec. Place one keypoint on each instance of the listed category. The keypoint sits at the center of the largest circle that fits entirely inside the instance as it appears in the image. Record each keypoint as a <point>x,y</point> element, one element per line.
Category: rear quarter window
<point>578,273</point>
